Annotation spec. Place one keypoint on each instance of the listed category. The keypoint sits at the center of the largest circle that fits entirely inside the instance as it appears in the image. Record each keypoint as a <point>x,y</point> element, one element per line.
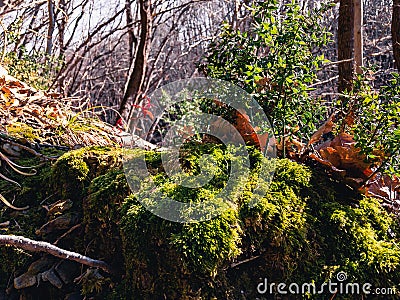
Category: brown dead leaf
<point>13,83</point>
<point>294,148</point>
<point>6,90</point>
<point>327,163</point>
<point>24,91</point>
<point>218,103</point>
<point>383,187</point>
<point>341,154</point>
<point>263,139</point>
<point>246,130</point>
<point>243,125</point>
<point>349,119</point>
<point>262,83</point>
<point>343,139</point>
<point>330,154</point>
<point>53,95</point>
<point>149,114</point>
<point>325,128</point>
<point>186,132</point>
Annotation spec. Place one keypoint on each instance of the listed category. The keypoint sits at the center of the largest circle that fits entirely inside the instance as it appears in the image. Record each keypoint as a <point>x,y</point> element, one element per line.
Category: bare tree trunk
<point>62,24</point>
<point>36,246</point>
<point>345,44</point>
<point>132,41</point>
<point>396,33</point>
<point>358,35</point>
<point>50,31</point>
<point>138,69</point>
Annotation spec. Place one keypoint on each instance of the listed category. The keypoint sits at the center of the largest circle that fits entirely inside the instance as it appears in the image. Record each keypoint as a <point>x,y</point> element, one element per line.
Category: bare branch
<point>39,246</point>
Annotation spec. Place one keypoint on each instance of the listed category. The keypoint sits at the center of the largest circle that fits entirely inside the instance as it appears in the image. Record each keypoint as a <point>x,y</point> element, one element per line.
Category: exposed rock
<point>67,271</point>
<point>61,223</point>
<point>41,265</point>
<point>52,277</point>
<point>11,150</point>
<point>24,281</point>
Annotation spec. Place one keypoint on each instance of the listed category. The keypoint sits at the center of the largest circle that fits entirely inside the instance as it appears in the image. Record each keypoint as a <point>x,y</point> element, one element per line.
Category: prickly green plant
<point>275,61</point>
<point>373,116</point>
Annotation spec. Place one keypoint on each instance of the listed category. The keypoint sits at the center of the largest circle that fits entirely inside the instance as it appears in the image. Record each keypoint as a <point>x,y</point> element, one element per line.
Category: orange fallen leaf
<point>325,128</point>
<point>342,154</point>
<point>349,119</point>
<point>383,187</point>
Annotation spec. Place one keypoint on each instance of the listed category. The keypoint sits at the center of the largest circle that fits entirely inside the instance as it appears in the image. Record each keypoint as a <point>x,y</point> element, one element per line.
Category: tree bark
<point>132,41</point>
<point>358,35</point>
<point>396,33</point>
<point>50,31</point>
<point>133,87</point>
<point>62,25</point>
<point>345,45</point>
<point>37,246</point>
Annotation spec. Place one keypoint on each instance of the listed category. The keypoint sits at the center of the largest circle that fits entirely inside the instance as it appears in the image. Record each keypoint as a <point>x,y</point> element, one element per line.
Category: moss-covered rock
<point>102,216</point>
<point>307,228</point>
<point>73,171</point>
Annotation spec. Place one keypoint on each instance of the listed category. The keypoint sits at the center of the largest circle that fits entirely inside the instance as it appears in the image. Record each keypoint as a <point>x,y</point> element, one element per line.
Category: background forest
<point>91,49</point>
<point>114,55</point>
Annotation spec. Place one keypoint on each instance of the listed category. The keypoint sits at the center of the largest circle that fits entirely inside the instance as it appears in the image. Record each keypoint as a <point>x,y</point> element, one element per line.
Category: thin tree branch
<point>39,246</point>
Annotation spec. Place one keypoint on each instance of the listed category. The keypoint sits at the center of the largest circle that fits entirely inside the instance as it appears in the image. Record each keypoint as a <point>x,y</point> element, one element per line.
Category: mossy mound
<point>101,216</point>
<point>73,171</point>
<point>306,229</point>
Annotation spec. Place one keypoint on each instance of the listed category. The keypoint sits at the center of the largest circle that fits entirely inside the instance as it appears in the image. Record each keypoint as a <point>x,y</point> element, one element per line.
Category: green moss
<point>206,246</point>
<point>73,171</point>
<point>101,210</point>
<point>363,248</point>
<point>278,227</point>
<point>292,174</point>
<point>22,130</point>
<point>306,228</point>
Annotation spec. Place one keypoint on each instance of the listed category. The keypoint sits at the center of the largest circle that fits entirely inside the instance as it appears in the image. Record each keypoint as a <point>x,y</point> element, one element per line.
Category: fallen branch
<point>233,265</point>
<point>39,246</point>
